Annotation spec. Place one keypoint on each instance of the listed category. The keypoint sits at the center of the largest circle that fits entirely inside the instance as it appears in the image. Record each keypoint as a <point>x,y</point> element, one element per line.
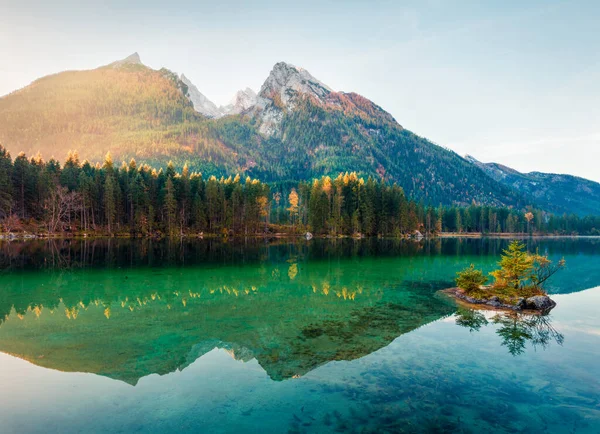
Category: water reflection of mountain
<point>291,318</point>
<point>129,308</point>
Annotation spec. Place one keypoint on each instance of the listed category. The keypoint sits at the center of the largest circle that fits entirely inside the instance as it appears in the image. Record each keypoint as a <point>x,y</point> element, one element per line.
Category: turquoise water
<point>324,336</point>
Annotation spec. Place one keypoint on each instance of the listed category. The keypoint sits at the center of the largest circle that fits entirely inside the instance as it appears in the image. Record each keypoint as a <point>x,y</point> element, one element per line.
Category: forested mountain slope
<point>553,192</point>
<point>295,128</point>
<point>125,108</point>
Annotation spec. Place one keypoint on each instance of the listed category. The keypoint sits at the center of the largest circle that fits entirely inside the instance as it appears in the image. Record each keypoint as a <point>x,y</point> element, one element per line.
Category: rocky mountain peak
<point>245,94</point>
<point>242,101</point>
<point>132,59</point>
<point>287,81</point>
<point>201,103</point>
<point>280,92</point>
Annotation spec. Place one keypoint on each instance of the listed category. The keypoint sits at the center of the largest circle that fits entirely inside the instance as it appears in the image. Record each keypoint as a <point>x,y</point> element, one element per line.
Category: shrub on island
<point>518,283</point>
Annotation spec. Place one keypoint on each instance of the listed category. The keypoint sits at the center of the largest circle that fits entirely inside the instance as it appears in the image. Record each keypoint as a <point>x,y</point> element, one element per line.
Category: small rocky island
<point>518,283</point>
<point>541,303</point>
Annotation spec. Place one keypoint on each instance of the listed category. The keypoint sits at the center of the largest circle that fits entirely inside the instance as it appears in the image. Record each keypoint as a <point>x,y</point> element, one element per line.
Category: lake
<point>319,336</point>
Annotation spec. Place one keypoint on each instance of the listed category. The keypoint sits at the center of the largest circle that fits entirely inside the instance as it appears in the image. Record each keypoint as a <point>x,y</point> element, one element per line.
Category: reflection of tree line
<point>514,328</point>
<point>49,299</point>
<point>79,253</point>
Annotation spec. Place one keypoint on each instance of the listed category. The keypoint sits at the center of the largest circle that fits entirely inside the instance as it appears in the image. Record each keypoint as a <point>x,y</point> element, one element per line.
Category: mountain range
<point>294,128</point>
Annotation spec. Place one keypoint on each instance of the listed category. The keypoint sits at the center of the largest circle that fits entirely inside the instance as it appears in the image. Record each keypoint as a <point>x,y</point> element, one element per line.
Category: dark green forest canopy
<point>138,199</point>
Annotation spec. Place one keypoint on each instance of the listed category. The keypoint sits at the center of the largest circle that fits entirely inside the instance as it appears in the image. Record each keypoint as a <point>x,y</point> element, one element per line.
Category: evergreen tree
<point>6,188</point>
<point>110,207</point>
<point>516,266</point>
<point>170,206</point>
<point>21,185</point>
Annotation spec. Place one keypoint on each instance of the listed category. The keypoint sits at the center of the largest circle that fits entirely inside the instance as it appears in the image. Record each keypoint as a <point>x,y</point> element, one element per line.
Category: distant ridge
<point>554,192</point>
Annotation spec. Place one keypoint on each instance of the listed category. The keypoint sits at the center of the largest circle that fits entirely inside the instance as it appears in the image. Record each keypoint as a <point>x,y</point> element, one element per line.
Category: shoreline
<point>515,235</point>
<point>278,235</point>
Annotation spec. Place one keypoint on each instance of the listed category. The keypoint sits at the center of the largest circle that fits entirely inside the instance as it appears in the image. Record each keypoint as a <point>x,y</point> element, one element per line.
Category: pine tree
<point>458,221</point>
<point>185,197</point>
<point>318,208</point>
<point>213,202</point>
<point>170,206</point>
<point>6,188</point>
<point>20,174</point>
<point>108,164</point>
<point>516,266</point>
<point>110,208</point>
<point>70,173</point>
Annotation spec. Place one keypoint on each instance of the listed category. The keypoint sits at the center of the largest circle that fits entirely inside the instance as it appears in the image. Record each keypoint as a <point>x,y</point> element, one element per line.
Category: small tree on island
<point>543,269</point>
<point>521,274</point>
<point>470,279</point>
<point>516,267</point>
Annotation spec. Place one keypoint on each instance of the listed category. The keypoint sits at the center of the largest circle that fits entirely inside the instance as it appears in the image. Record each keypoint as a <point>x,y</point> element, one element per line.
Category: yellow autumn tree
<point>529,217</point>
<point>263,207</point>
<point>293,209</point>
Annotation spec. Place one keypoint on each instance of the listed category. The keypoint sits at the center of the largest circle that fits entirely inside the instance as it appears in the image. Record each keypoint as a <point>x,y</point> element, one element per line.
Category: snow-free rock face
<point>280,92</point>
<point>287,81</point>
<point>133,59</point>
<point>241,102</point>
<point>201,103</point>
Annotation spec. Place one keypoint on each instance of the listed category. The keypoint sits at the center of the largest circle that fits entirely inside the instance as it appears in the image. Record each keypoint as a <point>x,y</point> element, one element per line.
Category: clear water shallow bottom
<point>320,337</point>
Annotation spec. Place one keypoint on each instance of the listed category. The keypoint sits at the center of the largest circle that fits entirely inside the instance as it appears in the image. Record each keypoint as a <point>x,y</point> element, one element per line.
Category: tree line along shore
<point>48,199</point>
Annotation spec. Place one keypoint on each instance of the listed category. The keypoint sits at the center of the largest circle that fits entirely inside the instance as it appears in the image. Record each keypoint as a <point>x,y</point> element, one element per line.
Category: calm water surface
<point>324,336</point>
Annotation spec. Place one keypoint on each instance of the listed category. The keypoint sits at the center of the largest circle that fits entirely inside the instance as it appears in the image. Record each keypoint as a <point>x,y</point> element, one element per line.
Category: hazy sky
<point>508,81</point>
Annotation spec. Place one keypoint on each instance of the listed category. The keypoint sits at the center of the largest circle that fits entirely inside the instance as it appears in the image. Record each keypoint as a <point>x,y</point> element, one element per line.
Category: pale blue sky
<point>508,81</point>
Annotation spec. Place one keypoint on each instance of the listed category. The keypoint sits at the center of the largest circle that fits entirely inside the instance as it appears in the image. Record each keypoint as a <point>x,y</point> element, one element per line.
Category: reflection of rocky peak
<point>365,331</point>
<point>333,322</point>
<point>237,352</point>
